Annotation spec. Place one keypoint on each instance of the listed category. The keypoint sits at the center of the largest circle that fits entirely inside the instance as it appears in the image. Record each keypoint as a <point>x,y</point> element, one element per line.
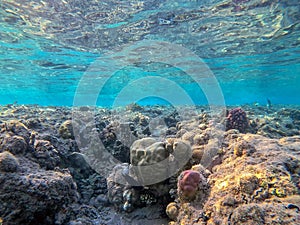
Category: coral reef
<point>33,196</point>
<point>113,142</point>
<point>45,154</point>
<point>125,196</point>
<point>47,178</point>
<point>29,193</point>
<point>251,185</point>
<point>117,185</point>
<point>145,180</point>
<point>15,137</point>
<point>192,193</point>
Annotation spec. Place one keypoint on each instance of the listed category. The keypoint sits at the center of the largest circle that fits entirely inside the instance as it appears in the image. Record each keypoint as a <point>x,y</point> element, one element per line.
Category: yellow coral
<point>172,211</point>
<point>277,192</point>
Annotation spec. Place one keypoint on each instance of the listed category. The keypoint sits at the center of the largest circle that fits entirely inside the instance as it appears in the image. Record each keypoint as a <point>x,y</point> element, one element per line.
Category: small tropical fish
<point>269,105</point>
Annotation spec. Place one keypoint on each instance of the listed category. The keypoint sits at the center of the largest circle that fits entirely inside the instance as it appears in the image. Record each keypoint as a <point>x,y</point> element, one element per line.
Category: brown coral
<point>237,119</point>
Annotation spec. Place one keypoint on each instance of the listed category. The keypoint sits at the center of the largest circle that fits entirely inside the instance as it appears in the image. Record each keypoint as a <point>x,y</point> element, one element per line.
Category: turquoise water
<point>47,47</point>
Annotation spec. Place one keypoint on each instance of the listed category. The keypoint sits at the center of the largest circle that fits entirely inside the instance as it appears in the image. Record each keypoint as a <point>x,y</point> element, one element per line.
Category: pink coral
<point>188,183</point>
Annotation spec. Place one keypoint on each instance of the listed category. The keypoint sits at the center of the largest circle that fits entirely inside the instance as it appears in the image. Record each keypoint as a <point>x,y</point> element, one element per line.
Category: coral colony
<point>237,119</point>
<point>188,183</point>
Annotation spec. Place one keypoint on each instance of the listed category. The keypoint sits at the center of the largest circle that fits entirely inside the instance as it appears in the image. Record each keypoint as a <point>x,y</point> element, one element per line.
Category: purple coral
<point>237,119</point>
<point>188,182</point>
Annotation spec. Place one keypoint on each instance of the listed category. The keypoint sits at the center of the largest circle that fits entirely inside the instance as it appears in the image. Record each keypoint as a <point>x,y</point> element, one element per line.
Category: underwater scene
<point>153,112</point>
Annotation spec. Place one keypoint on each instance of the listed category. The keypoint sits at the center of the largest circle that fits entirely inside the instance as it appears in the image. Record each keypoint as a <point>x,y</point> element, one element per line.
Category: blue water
<point>48,47</point>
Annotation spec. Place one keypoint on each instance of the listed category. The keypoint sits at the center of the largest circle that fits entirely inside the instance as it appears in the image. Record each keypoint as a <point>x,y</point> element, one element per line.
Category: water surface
<point>252,47</point>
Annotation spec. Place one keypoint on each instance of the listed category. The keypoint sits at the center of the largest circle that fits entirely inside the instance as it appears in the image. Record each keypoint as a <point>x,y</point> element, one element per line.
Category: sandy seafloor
<point>248,176</point>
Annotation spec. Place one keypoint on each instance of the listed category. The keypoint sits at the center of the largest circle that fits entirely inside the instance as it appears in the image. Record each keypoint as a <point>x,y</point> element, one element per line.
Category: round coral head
<point>188,182</point>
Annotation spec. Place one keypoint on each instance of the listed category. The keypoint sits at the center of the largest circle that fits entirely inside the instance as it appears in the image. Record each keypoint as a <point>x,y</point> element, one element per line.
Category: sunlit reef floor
<point>252,176</point>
